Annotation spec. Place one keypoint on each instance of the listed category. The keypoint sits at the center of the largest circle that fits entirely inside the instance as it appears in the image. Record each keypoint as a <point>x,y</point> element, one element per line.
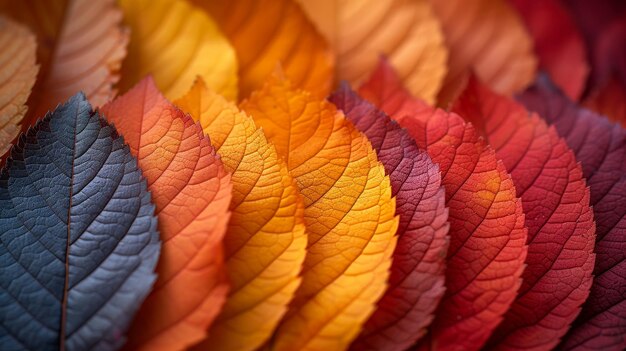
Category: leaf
<point>191,191</point>
<point>80,47</point>
<point>561,230</point>
<point>603,24</point>
<point>17,76</point>
<point>487,234</point>
<point>79,242</point>
<point>608,94</point>
<point>174,42</point>
<point>487,37</point>
<point>267,32</point>
<point>265,243</point>
<point>349,216</point>
<point>558,43</point>
<point>610,101</point>
<point>417,269</point>
<point>407,32</point>
<point>600,147</point>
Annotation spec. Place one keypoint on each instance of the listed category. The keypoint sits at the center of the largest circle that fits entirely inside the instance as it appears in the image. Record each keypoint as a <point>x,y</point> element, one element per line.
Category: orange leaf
<point>485,36</point>
<point>80,47</point>
<point>487,233</point>
<point>17,76</point>
<point>267,32</point>
<point>265,243</point>
<point>175,42</point>
<point>406,31</point>
<point>191,191</point>
<point>349,214</point>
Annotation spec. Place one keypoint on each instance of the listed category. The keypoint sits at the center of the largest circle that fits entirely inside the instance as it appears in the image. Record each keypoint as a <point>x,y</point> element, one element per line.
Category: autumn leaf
<point>406,31</point>
<point>558,43</point>
<point>349,216</point>
<point>488,38</point>
<point>561,230</point>
<point>79,241</point>
<point>608,91</point>
<point>17,76</point>
<point>268,32</point>
<point>265,243</point>
<point>417,271</point>
<point>191,191</point>
<point>610,101</point>
<point>174,42</point>
<point>80,47</point>
<point>600,147</point>
<point>487,234</point>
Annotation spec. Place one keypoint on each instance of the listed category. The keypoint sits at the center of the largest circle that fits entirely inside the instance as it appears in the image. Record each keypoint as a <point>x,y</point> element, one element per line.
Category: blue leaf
<point>78,237</point>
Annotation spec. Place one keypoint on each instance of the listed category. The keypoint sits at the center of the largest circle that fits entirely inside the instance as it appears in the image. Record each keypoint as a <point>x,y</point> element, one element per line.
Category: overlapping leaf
<point>608,96</point>
<point>602,24</point>
<point>174,42</point>
<point>349,215</point>
<point>561,230</point>
<point>417,270</point>
<point>487,233</point>
<point>267,32</point>
<point>17,76</point>
<point>265,243</point>
<point>191,191</point>
<point>406,31</point>
<point>487,37</point>
<point>610,101</point>
<point>80,47</point>
<point>558,43</point>
<point>600,147</point>
<point>79,241</point>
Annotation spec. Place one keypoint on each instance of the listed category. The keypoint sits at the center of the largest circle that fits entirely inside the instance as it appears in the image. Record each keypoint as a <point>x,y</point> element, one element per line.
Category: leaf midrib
<point>62,331</point>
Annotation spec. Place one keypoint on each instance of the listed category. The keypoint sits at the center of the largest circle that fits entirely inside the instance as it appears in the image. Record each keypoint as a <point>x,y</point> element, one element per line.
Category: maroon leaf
<point>600,146</point>
<point>487,233</point>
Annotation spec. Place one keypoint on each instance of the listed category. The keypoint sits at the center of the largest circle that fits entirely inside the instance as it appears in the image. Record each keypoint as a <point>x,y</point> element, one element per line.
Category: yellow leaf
<point>17,76</point>
<point>265,243</point>
<point>489,38</point>
<point>80,47</point>
<point>406,31</point>
<point>174,42</point>
<point>267,32</point>
<point>349,214</point>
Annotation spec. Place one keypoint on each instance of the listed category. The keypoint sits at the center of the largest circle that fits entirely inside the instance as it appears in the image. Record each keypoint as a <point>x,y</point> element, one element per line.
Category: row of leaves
<point>305,214</point>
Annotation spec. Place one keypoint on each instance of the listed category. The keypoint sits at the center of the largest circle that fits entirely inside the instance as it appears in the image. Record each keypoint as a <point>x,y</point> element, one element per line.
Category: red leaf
<point>560,224</point>
<point>417,271</point>
<point>487,233</point>
<point>558,43</point>
<point>600,146</point>
<point>609,91</point>
<point>610,101</point>
<point>595,19</point>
